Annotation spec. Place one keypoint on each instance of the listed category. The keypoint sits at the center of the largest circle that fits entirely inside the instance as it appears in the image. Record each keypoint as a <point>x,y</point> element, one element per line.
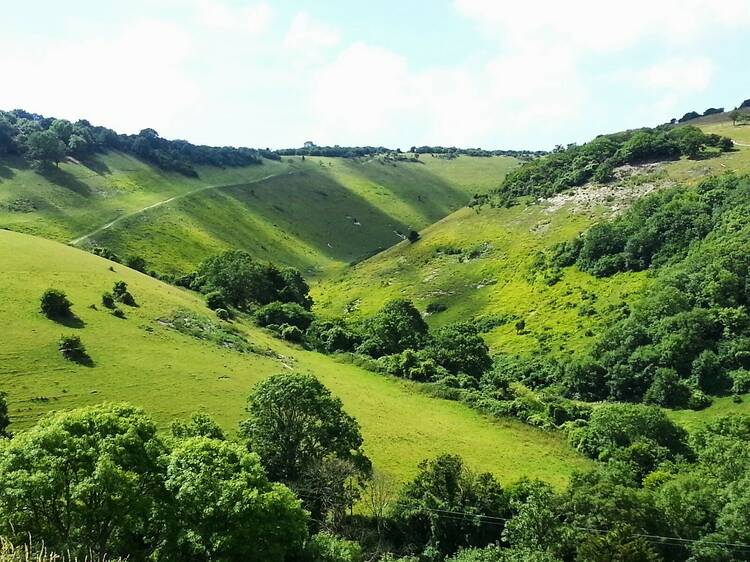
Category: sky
<point>473,73</point>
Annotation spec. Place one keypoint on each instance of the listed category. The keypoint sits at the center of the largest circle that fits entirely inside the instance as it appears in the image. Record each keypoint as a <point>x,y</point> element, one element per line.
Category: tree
<point>619,545</point>
<point>223,508</point>
<point>279,313</point>
<point>441,507</point>
<point>200,425</point>
<point>4,417</point>
<point>614,426</point>
<point>245,282</point>
<point>55,304</point>
<point>84,480</point>
<point>45,146</point>
<point>460,349</point>
<point>136,262</point>
<point>62,128</point>
<point>295,423</point>
<point>734,115</point>
<point>412,236</point>
<point>396,327</point>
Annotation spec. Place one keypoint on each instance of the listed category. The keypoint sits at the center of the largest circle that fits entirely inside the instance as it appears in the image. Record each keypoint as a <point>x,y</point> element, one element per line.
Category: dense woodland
<point>46,140</point>
<point>574,165</point>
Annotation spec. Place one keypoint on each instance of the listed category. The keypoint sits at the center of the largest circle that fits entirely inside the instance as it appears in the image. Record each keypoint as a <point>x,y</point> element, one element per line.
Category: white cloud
<point>369,94</point>
<point>251,19</point>
<point>307,34</point>
<point>677,74</point>
<point>129,80</point>
<point>596,26</point>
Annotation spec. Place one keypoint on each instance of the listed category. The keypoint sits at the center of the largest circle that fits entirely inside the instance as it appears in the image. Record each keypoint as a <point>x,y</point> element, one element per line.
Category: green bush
<point>222,314</point>
<point>108,299</point>
<point>72,348</point>
<point>291,333</point>
<point>284,313</point>
<point>55,304</point>
<point>216,300</point>
<point>121,293</point>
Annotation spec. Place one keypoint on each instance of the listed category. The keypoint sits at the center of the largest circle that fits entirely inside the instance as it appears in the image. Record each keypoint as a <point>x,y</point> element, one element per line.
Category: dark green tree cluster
<point>48,140</point>
<point>235,278</point>
<point>688,335</point>
<point>596,160</point>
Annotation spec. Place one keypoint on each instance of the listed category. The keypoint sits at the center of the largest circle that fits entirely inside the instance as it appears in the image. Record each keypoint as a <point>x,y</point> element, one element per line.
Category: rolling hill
<point>144,359</point>
<point>313,213</point>
<point>480,263</point>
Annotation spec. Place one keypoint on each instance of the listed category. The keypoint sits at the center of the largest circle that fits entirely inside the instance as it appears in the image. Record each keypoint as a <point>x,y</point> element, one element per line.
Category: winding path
<point>131,214</point>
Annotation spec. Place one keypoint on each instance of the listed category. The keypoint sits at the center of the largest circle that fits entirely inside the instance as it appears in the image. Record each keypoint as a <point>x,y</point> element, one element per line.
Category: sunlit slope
<point>312,214</point>
<point>480,265</point>
<point>142,360</point>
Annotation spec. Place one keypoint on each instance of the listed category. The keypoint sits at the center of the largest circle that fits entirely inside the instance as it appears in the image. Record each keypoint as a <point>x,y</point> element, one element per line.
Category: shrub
<point>284,313</point>
<point>108,299</point>
<point>118,312</point>
<point>216,300</point>
<point>72,348</point>
<point>616,426</point>
<point>136,262</point>
<point>412,236</point>
<point>222,314</point>
<point>121,293</point>
<point>291,333</point>
<point>55,304</point>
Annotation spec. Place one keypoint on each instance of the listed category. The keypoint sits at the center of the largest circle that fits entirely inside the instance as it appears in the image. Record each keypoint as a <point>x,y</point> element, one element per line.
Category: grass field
<point>694,419</point>
<point>314,214</point>
<point>490,276</point>
<point>491,272</point>
<point>141,360</point>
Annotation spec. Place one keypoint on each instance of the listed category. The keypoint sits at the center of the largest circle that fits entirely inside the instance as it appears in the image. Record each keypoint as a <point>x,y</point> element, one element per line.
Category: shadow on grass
<point>6,172</point>
<point>83,359</point>
<point>707,155</point>
<point>64,179</point>
<point>71,321</point>
<point>96,165</point>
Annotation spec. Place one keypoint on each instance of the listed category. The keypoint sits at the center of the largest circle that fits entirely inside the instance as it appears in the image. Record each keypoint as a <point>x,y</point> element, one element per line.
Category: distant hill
<point>313,213</point>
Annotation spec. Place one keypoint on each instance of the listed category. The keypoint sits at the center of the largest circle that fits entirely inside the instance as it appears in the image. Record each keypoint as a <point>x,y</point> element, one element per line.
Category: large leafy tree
<point>460,349</point>
<point>224,508</point>
<point>447,507</point>
<point>83,480</point>
<point>244,282</point>
<point>295,422</point>
<point>46,146</point>
<point>396,327</point>
<point>305,439</point>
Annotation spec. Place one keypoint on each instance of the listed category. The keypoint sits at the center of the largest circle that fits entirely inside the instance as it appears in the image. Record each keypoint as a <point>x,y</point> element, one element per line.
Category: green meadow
<point>316,214</point>
<point>142,360</point>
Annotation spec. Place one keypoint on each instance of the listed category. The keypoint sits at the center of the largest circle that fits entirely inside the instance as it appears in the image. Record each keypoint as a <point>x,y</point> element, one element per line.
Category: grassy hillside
<point>482,263</point>
<point>141,359</point>
<point>312,214</point>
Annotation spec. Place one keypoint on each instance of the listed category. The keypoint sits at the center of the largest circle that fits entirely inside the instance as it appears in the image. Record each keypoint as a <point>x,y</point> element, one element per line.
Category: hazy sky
<point>488,73</point>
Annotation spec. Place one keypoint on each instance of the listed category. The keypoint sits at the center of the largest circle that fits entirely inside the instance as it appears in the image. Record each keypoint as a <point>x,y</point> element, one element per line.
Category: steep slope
<point>142,359</point>
<point>483,263</point>
<point>314,213</point>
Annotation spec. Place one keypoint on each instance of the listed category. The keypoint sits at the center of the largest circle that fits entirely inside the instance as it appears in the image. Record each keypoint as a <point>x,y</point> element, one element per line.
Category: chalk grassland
<point>482,264</point>
<point>142,360</point>
<point>316,214</point>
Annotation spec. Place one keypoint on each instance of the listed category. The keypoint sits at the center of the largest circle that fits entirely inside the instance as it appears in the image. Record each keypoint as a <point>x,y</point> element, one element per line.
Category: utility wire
<point>500,522</point>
